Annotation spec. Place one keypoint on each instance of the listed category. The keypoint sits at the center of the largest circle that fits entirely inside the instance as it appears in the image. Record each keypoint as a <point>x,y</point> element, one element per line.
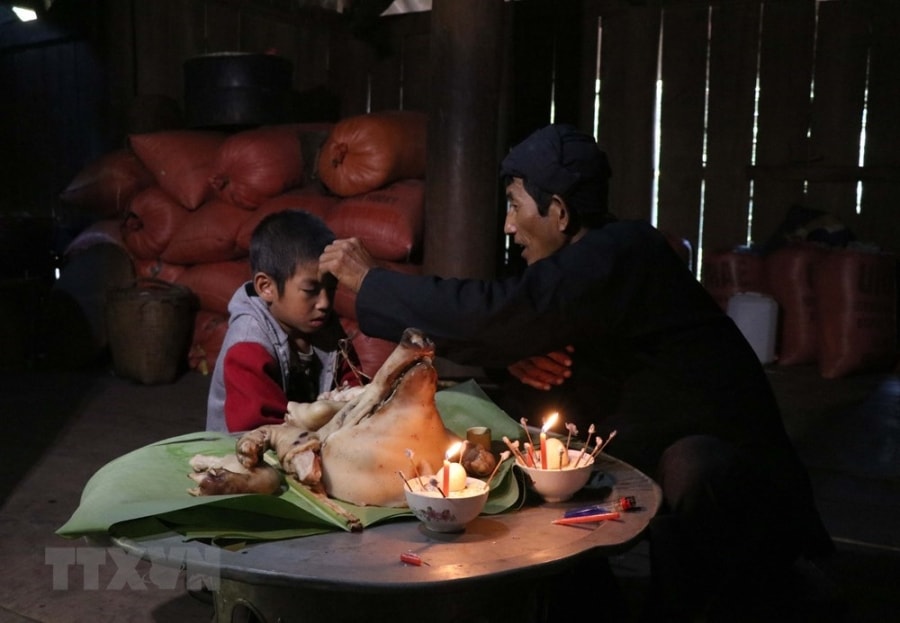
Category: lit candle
<point>550,422</point>
<point>451,471</point>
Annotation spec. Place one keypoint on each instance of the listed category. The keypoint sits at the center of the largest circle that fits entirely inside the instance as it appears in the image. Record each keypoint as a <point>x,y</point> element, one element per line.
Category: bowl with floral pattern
<point>450,513</point>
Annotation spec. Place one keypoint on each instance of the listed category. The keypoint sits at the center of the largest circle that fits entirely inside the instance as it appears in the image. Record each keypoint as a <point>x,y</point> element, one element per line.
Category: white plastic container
<point>756,315</point>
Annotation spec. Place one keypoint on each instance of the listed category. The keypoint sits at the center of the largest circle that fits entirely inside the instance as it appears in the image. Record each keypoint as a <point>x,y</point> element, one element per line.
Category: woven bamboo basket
<point>149,326</point>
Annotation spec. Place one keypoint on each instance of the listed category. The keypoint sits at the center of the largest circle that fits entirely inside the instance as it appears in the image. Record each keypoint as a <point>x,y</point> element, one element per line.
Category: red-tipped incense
<point>568,521</point>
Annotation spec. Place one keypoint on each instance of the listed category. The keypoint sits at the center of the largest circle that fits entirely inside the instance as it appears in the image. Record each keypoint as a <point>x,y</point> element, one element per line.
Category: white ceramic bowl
<point>450,514</point>
<point>558,485</point>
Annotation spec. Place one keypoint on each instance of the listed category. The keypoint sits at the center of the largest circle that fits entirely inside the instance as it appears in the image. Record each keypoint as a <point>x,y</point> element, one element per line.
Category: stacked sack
<point>837,305</point>
<point>183,205</point>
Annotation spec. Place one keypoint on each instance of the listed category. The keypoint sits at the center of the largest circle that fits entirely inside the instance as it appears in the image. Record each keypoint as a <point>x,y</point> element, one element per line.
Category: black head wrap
<point>560,160</point>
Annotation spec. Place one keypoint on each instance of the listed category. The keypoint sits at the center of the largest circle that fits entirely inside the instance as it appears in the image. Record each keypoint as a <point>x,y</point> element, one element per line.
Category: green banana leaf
<point>145,492</point>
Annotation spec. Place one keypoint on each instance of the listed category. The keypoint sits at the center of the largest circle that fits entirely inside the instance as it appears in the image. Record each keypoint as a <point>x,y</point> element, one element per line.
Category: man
<point>611,322</point>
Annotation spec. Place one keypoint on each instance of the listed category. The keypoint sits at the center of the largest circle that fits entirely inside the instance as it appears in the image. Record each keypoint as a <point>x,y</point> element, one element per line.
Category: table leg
<point>499,602</point>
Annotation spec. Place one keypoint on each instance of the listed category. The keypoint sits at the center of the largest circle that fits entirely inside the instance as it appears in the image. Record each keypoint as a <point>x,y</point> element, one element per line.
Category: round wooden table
<point>494,571</point>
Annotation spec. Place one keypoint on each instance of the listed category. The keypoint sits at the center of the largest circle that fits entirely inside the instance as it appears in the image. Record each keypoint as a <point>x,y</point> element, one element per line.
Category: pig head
<point>390,428</point>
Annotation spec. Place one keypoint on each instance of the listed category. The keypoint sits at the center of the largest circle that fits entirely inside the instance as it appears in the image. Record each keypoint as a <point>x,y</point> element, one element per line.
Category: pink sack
<point>107,231</point>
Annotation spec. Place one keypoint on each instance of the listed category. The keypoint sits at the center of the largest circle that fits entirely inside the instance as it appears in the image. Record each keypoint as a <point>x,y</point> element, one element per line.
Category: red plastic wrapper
<point>411,559</point>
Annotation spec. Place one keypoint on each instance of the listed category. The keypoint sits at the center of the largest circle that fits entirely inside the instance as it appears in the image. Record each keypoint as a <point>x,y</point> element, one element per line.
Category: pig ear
<point>265,287</point>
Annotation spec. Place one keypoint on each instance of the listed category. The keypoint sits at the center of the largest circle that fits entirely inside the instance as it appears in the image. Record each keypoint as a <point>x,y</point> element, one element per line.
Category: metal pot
<point>237,89</point>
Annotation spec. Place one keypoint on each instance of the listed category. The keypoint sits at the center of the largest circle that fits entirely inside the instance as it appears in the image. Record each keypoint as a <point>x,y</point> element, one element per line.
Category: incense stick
<point>409,455</point>
<point>403,478</point>
<point>584,447</point>
<point>573,430</point>
<point>503,457</point>
<point>524,424</point>
<point>599,449</point>
<point>514,448</point>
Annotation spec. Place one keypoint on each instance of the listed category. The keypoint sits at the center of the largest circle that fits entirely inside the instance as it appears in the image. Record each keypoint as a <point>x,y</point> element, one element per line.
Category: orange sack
<point>157,269</point>
<point>856,295</point>
<point>372,351</point>
<point>208,234</point>
<point>206,340</point>
<point>726,273</point>
<point>388,221</point>
<point>257,164</point>
<point>215,283</point>
<point>309,199</point>
<point>365,152</point>
<point>152,220</point>
<point>181,161</point>
<point>789,272</point>
<point>105,186</point>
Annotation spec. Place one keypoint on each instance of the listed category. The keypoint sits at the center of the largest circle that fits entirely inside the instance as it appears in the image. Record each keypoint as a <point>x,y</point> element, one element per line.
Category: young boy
<point>283,342</point>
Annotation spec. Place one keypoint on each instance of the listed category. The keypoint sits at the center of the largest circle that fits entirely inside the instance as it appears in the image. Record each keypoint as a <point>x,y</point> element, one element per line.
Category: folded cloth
<point>145,492</point>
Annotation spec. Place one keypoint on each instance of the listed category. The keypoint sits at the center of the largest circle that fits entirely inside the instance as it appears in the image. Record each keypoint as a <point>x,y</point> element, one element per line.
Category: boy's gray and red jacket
<point>253,376</point>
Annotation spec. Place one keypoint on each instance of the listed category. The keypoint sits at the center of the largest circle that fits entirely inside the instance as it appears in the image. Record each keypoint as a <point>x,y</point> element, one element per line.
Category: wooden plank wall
<point>731,165</point>
<point>71,95</point>
<point>321,46</point>
<point>53,94</point>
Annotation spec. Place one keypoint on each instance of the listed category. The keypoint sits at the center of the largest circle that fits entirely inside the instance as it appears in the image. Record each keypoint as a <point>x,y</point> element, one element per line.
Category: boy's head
<point>284,260</point>
<point>285,239</point>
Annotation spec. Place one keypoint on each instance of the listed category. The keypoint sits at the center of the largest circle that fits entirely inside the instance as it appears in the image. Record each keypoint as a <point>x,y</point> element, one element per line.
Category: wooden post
<point>462,213</point>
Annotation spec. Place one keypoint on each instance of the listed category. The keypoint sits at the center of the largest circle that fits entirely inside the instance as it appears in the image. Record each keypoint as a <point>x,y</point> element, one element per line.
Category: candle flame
<point>550,422</point>
<point>453,449</point>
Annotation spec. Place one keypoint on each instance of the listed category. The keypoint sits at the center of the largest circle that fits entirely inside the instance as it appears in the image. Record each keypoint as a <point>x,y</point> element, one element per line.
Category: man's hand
<point>544,371</point>
<point>348,261</point>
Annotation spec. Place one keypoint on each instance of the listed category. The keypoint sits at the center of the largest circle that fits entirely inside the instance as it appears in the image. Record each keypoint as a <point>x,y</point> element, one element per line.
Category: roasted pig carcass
<point>359,453</point>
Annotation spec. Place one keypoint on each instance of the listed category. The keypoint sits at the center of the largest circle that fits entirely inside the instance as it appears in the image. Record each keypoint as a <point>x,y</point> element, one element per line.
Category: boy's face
<point>305,304</point>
